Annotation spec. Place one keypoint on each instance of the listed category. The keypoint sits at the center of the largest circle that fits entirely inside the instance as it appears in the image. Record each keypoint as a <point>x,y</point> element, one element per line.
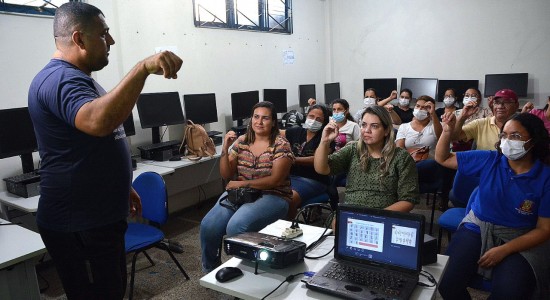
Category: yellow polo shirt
<point>484,131</point>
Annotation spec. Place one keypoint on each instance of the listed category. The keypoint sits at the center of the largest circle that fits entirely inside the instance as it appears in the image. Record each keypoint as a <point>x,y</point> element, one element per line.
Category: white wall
<point>439,39</point>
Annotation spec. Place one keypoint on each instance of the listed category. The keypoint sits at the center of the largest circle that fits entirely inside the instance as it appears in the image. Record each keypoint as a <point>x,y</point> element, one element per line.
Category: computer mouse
<point>228,273</point>
<point>174,158</point>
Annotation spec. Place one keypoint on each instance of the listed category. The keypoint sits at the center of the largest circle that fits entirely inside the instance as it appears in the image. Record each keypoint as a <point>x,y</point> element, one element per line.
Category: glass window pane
<point>210,11</point>
<point>246,12</point>
<point>37,3</point>
<point>277,14</point>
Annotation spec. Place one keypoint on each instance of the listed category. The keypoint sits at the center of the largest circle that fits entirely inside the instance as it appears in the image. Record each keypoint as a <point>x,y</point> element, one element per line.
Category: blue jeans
<point>250,217</point>
<point>513,277</point>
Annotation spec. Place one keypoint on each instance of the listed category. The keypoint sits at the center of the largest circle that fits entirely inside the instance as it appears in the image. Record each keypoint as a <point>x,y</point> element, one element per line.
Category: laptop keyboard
<point>385,283</point>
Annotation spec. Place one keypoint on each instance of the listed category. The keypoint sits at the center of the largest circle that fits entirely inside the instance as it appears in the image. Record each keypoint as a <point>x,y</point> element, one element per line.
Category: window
<point>32,7</point>
<point>256,15</point>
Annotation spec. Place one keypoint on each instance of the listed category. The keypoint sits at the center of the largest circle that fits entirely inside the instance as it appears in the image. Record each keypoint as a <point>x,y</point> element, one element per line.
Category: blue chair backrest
<point>463,186</point>
<point>151,189</point>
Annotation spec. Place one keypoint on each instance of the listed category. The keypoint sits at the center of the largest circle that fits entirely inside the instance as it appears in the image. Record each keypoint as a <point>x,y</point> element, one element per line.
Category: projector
<point>265,249</point>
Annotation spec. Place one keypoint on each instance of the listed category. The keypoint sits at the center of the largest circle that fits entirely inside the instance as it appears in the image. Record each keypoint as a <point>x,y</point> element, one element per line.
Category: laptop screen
<point>379,237</point>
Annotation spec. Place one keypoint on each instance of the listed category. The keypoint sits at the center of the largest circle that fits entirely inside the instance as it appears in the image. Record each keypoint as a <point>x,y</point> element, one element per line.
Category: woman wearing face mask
<point>347,128</point>
<point>371,99</point>
<point>305,182</point>
<point>401,113</point>
<point>505,235</point>
<point>450,103</point>
<point>472,97</point>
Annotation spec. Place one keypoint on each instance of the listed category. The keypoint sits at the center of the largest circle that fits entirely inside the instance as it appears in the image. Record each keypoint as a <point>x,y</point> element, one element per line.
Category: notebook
<point>377,255</point>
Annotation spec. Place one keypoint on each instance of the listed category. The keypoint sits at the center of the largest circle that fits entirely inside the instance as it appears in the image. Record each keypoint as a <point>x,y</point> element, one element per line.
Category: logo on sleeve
<point>526,207</point>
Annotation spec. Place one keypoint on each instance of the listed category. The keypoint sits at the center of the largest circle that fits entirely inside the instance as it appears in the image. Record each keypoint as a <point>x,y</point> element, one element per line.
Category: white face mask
<point>420,114</point>
<point>312,125</point>
<point>467,100</point>
<point>369,102</point>
<point>449,101</point>
<point>404,101</point>
<point>513,150</point>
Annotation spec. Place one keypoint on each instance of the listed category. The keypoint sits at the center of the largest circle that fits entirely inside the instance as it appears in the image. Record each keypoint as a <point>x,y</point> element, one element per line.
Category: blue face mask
<point>338,117</point>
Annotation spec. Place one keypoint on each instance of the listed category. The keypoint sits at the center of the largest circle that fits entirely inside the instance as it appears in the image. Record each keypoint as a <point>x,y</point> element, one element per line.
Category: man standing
<point>485,131</point>
<point>86,174</point>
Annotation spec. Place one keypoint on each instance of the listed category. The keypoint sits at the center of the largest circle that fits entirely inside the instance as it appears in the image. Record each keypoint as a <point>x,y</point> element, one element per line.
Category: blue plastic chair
<point>139,237</point>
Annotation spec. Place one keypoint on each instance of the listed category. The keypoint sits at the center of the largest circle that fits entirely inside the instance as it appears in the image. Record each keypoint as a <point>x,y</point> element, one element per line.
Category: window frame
<point>30,10</point>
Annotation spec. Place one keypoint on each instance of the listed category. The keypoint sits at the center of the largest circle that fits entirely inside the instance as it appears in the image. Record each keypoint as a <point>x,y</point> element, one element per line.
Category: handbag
<point>419,154</point>
<point>240,196</point>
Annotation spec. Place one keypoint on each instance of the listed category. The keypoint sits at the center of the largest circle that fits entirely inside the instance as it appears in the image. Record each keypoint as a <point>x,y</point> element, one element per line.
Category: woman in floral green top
<point>380,175</point>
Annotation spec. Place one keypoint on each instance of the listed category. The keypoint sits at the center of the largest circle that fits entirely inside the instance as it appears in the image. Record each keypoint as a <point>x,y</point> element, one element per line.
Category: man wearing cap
<point>485,131</point>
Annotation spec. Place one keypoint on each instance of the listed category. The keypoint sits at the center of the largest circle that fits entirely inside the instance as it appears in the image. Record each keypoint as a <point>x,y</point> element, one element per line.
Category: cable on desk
<point>287,279</point>
<point>430,278</point>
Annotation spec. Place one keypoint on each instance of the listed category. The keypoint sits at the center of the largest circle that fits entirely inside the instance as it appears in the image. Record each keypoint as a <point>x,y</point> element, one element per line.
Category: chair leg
<point>149,258</point>
<point>177,263</point>
<point>132,275</point>
<point>433,213</point>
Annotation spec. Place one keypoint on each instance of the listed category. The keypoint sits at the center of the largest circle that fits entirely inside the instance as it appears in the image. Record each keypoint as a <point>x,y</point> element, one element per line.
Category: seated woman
<point>305,182</point>
<point>260,159</point>
<point>379,174</point>
<point>401,113</point>
<point>505,236</point>
<point>450,102</point>
<point>372,99</point>
<point>347,128</point>
<point>543,114</point>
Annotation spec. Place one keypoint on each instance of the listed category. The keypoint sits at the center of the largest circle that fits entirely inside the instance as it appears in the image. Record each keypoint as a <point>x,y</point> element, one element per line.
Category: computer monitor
<point>129,127</point>
<point>201,108</point>
<point>278,98</point>
<point>514,81</point>
<point>241,105</point>
<point>460,86</point>
<point>159,109</point>
<point>17,136</point>
<point>383,86</point>
<point>305,92</point>
<point>420,86</point>
<point>332,92</point>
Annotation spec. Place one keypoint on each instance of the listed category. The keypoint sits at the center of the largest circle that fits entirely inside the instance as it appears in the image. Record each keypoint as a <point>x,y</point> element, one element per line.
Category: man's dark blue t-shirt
<point>85,180</point>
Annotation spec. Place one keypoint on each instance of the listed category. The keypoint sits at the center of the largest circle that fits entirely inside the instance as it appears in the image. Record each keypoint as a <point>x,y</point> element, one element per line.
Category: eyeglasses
<point>503,102</point>
<point>511,137</point>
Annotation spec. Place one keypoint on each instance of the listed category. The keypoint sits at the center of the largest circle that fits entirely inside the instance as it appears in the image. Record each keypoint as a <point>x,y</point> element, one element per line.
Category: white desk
<point>20,249</point>
<point>253,287</point>
<point>142,168</point>
<point>184,162</point>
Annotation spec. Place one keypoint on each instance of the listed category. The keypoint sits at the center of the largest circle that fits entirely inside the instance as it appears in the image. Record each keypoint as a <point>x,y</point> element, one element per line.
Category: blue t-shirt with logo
<point>85,180</point>
<point>505,198</point>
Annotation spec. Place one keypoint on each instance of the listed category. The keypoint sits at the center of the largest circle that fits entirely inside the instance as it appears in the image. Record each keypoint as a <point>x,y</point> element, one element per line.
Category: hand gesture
<point>449,121</point>
<point>393,94</point>
<point>492,257</point>
<point>527,107</point>
<point>311,101</point>
<point>330,132</point>
<point>431,109</point>
<point>164,63</point>
<point>469,110</point>
<point>389,107</point>
<point>229,138</point>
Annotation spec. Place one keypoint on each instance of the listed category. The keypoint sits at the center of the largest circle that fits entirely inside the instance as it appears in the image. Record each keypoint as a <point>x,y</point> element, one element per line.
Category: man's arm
<point>101,116</point>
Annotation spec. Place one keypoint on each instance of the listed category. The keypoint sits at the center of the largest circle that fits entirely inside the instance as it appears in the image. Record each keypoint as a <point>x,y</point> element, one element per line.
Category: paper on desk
<point>311,233</point>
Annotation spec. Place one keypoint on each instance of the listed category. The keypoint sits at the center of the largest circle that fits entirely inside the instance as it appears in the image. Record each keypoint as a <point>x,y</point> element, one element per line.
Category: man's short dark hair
<point>73,16</point>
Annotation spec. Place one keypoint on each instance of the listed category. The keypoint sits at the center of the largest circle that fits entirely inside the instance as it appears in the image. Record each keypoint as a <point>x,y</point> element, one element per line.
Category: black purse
<point>240,196</point>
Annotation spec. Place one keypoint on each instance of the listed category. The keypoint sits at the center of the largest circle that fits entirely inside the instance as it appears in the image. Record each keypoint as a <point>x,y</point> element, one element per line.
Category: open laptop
<point>377,255</point>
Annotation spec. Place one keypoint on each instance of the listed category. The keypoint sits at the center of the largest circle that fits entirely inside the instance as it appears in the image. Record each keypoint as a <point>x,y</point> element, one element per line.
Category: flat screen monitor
<point>242,103</point>
<point>383,86</point>
<point>201,108</point>
<point>305,92</point>
<point>160,109</point>
<point>129,127</point>
<point>514,81</point>
<point>278,98</point>
<point>332,92</point>
<point>16,132</point>
<point>460,87</point>
<point>420,86</point>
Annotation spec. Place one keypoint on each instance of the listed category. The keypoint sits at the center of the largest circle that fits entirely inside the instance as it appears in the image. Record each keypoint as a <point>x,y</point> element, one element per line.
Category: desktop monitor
<point>159,109</point>
<point>514,81</point>
<point>306,91</point>
<point>278,98</point>
<point>460,87</point>
<point>201,108</point>
<point>242,103</point>
<point>383,86</point>
<point>420,86</point>
<point>128,125</point>
<point>332,92</point>
<point>17,136</point>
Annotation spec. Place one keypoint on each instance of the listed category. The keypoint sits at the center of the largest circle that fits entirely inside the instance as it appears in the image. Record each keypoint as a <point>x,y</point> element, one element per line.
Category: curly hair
<point>539,135</point>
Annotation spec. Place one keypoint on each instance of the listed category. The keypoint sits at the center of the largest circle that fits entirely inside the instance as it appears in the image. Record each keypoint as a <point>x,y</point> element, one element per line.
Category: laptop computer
<point>377,255</point>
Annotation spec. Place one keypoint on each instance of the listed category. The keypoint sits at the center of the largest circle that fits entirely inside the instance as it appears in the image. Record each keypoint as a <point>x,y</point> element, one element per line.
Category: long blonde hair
<point>388,151</point>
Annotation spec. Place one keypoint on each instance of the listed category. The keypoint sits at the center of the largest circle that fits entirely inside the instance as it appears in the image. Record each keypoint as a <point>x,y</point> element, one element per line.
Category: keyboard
<point>162,145</point>
<point>213,133</point>
<point>386,283</point>
<point>24,178</point>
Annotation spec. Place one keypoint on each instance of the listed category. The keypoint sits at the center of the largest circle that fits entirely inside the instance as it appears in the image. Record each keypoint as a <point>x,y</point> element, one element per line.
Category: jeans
<point>91,263</point>
<point>250,217</point>
<point>513,277</point>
